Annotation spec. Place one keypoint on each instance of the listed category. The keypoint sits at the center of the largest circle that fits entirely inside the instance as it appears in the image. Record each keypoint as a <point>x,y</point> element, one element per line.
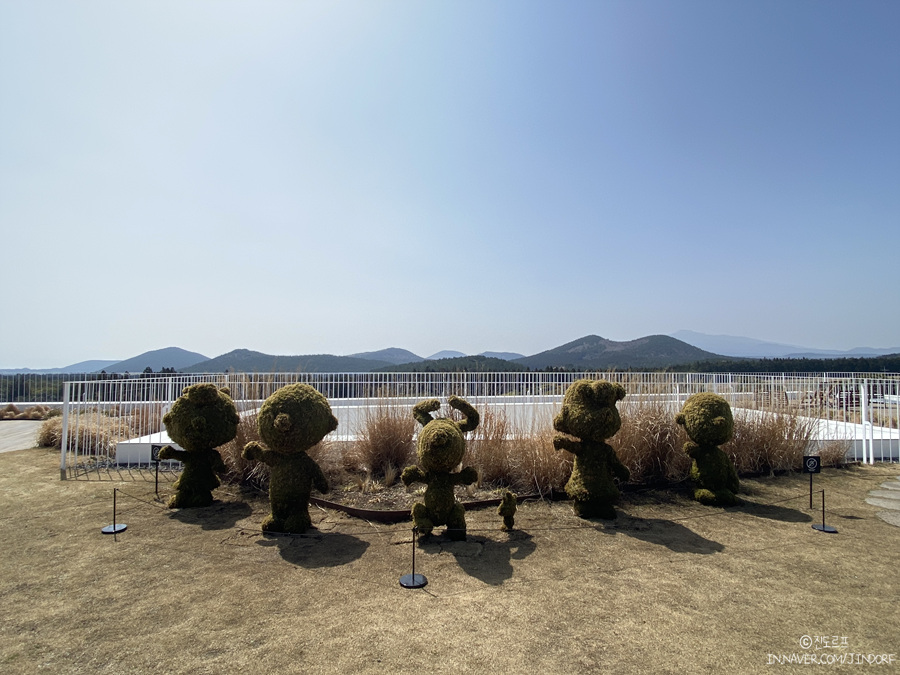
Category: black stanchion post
<point>413,580</point>
<point>810,491</point>
<point>823,527</point>
<point>115,528</point>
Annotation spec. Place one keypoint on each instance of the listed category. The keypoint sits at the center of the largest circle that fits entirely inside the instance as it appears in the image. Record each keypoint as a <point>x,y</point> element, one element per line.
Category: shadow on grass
<point>489,560</point>
<point>771,511</point>
<point>218,516</point>
<point>674,536</point>
<point>316,549</point>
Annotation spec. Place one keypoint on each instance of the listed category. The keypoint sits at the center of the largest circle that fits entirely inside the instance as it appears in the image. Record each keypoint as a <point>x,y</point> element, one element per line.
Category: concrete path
<point>887,496</point>
<point>18,434</point>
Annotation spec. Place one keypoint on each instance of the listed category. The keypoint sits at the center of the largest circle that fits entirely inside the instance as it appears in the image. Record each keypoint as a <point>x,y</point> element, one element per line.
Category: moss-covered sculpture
<point>440,449</point>
<point>200,420</point>
<point>291,421</point>
<point>589,413</point>
<point>707,419</point>
<point>507,510</point>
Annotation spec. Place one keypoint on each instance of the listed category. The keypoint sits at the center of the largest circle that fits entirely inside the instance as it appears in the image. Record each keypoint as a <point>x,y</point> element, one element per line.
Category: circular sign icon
<point>811,464</point>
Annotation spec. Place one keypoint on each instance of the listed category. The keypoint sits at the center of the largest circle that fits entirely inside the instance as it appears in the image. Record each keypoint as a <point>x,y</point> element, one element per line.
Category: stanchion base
<point>825,528</point>
<point>413,581</point>
<point>114,529</point>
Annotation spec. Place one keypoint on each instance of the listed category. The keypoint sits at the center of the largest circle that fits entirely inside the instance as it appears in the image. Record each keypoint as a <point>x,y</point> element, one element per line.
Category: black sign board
<point>811,464</point>
<point>154,452</point>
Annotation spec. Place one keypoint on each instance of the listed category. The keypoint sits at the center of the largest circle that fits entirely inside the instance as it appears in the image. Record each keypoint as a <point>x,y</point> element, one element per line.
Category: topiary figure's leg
<point>456,523</point>
<point>273,524</point>
<point>298,522</point>
<point>726,497</point>
<point>421,519</point>
<point>594,508</point>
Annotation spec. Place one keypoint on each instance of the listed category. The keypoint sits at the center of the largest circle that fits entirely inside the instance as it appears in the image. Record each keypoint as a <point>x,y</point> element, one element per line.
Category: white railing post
<point>64,441</point>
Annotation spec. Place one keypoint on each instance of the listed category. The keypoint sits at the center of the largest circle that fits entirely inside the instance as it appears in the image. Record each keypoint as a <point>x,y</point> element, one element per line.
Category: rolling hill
<point>170,357</point>
<point>246,361</point>
<point>596,353</point>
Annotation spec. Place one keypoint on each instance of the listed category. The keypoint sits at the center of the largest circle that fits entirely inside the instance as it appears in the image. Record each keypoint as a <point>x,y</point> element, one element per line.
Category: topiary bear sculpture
<point>440,449</point>
<point>290,422</point>
<point>589,413</point>
<point>707,419</point>
<point>200,420</point>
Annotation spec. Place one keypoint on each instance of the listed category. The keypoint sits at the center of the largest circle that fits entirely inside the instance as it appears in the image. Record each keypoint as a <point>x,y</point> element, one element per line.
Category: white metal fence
<point>117,422</point>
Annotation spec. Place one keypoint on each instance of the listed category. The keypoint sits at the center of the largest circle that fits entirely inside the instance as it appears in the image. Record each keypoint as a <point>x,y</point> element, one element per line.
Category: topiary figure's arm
<point>465,477</point>
<point>168,452</point>
<point>320,482</point>
<point>472,418</point>
<point>619,470</point>
<point>561,442</point>
<point>256,452</point>
<point>423,409</point>
<point>412,474</point>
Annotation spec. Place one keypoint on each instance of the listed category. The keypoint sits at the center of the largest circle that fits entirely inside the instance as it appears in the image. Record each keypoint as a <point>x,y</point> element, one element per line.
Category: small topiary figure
<point>707,419</point>
<point>291,421</point>
<point>507,510</point>
<point>440,449</point>
<point>200,420</point>
<point>589,413</point>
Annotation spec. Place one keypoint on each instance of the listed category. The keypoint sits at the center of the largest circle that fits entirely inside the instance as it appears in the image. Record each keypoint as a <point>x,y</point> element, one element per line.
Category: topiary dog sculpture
<point>589,413</point>
<point>291,421</point>
<point>200,420</point>
<point>440,449</point>
<point>707,419</point>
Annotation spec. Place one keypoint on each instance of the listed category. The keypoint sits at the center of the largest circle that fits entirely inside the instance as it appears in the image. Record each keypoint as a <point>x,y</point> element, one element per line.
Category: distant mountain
<point>446,354</point>
<point>732,345</point>
<point>246,361</point>
<point>506,356</point>
<point>80,367</point>
<point>170,357</point>
<point>391,355</point>
<point>460,364</point>
<point>596,353</point>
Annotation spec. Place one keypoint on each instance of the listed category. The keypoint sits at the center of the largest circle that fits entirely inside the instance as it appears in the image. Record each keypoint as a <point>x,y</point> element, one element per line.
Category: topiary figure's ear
<point>423,409</point>
<point>226,391</point>
<point>679,419</point>
<point>283,422</point>
<point>472,418</point>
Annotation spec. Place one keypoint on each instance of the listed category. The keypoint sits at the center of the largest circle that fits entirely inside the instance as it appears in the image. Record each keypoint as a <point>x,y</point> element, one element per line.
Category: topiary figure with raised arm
<point>440,449</point>
<point>589,413</point>
<point>707,419</point>
<point>291,421</point>
<point>200,420</point>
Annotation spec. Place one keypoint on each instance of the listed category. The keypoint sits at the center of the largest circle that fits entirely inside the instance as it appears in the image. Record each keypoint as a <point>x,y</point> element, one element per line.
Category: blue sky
<point>335,177</point>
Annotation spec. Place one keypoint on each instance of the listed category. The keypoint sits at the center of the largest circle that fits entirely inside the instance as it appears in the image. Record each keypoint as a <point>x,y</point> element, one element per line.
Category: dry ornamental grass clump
<point>94,434</point>
<point>384,443</point>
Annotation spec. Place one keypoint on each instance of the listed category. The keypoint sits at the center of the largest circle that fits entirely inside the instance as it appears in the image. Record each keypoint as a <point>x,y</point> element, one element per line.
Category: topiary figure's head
<point>589,410</point>
<point>441,444</point>
<point>295,418</point>
<point>202,418</point>
<point>707,419</point>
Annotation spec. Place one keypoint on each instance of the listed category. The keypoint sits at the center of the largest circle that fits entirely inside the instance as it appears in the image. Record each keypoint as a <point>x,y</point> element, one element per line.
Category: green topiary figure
<point>507,510</point>
<point>707,419</point>
<point>589,413</point>
<point>200,420</point>
<point>440,449</point>
<point>291,421</point>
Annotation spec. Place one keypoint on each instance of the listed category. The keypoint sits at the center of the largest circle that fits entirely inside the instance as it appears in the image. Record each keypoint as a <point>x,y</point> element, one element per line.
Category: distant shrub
<point>384,444</point>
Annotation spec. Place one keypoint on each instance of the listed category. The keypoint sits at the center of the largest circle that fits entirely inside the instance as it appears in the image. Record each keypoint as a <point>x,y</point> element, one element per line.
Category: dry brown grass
<point>95,433</point>
<point>650,444</point>
<point>384,443</point>
<point>672,587</point>
<point>34,412</point>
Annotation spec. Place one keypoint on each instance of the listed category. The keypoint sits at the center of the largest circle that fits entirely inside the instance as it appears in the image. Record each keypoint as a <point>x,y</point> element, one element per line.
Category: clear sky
<point>334,177</point>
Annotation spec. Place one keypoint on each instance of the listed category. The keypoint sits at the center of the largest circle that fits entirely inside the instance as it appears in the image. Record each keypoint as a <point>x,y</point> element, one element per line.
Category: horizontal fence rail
<point>112,422</point>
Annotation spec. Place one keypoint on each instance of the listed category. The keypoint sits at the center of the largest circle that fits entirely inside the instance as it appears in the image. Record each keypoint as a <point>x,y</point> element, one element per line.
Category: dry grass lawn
<point>672,587</point>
